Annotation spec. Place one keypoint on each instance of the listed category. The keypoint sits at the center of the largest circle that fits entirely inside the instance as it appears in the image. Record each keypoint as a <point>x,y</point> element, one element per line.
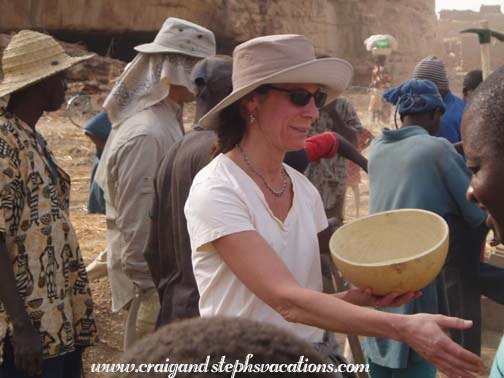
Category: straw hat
<point>284,58</point>
<point>30,57</point>
<point>181,37</point>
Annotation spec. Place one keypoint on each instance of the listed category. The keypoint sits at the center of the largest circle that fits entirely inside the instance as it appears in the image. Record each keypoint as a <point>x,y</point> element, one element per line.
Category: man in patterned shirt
<point>329,175</point>
<point>46,310</point>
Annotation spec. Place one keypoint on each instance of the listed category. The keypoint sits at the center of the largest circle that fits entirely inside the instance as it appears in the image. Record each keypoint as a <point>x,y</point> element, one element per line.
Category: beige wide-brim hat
<point>30,57</point>
<point>275,59</point>
<point>181,37</point>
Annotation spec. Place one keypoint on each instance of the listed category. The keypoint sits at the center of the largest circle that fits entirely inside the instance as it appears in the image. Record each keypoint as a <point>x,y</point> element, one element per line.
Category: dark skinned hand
<point>27,347</point>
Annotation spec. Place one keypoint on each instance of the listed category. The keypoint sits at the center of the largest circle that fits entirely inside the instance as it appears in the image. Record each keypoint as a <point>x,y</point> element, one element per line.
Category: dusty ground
<point>74,151</point>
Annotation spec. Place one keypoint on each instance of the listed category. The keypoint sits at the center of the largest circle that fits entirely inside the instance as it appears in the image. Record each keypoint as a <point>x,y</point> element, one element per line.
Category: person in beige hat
<point>253,221</point>
<point>145,109</point>
<point>46,317</point>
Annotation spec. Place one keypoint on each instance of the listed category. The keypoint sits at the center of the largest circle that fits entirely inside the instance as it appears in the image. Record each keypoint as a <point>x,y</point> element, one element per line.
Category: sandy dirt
<point>74,151</point>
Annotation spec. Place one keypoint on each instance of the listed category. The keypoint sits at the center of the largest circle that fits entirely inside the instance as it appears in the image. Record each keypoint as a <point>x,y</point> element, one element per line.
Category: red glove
<point>321,146</point>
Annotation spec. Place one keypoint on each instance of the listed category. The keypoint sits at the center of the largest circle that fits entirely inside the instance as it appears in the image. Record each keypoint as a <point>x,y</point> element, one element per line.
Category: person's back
<point>433,69</point>
<point>177,287</point>
<point>410,168</point>
<point>168,252</point>
<point>450,123</point>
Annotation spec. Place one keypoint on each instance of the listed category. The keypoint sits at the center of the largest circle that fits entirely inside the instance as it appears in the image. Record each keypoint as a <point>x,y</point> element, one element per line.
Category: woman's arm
<point>258,267</point>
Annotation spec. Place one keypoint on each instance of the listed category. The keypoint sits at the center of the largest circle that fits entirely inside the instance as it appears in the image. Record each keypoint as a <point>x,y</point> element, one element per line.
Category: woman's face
<point>485,162</point>
<point>278,120</point>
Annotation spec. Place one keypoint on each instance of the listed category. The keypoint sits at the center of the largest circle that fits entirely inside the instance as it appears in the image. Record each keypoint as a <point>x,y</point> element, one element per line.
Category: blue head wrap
<point>415,96</point>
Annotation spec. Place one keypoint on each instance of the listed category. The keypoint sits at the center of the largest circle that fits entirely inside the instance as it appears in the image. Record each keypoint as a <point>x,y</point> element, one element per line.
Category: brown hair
<point>232,125</point>
<point>230,130</point>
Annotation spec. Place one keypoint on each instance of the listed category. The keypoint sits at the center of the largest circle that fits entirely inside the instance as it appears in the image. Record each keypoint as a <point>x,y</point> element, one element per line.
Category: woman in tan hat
<point>46,317</point>
<point>253,221</point>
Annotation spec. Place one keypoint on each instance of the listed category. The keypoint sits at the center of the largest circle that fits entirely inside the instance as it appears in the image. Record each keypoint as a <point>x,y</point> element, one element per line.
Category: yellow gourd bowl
<point>399,250</point>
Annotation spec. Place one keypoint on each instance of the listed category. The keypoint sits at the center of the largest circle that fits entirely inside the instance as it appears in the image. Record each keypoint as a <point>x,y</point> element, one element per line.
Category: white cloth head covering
<point>145,82</point>
<point>169,59</point>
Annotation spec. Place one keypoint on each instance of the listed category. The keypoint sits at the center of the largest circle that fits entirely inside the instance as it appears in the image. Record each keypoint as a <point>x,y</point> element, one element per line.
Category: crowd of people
<point>227,223</point>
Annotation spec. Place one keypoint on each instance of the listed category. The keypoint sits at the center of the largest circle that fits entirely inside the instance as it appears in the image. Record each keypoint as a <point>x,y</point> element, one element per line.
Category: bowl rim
<point>399,260</point>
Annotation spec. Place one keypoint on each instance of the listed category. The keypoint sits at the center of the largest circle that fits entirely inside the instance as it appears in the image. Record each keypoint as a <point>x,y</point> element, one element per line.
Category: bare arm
<point>25,339</point>
<point>253,261</point>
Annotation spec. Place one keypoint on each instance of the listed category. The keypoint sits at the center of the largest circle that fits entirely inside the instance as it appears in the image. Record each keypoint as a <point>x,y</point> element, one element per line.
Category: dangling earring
<point>251,118</point>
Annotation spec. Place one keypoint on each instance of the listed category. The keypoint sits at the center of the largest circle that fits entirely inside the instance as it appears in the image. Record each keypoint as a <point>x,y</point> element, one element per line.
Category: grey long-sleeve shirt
<point>131,157</point>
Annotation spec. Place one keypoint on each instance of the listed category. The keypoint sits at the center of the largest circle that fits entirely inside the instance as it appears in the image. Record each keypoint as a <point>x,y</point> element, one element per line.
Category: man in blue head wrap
<point>411,168</point>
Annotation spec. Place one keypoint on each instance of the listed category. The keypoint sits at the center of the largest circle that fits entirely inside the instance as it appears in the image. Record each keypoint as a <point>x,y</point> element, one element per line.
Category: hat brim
<point>333,74</point>
<point>155,48</point>
<point>16,84</point>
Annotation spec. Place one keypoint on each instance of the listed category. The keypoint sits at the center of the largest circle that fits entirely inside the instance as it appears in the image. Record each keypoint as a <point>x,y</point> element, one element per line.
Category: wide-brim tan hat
<point>275,59</point>
<point>30,57</point>
<point>181,37</point>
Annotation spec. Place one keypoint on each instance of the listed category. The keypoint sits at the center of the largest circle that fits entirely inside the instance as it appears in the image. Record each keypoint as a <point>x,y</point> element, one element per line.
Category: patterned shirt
<point>50,274</point>
<point>329,175</point>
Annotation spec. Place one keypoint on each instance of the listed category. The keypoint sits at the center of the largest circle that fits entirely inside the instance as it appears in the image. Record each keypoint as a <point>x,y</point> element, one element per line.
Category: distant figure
<point>380,82</point>
<point>433,69</point>
<point>97,129</point>
<point>354,170</point>
<point>471,81</point>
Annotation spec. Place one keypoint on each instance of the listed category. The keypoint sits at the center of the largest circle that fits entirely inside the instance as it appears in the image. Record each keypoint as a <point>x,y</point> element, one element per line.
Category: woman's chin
<point>295,145</point>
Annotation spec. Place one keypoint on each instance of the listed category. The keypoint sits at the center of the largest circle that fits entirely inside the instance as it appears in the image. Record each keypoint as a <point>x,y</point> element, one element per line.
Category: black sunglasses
<point>301,97</point>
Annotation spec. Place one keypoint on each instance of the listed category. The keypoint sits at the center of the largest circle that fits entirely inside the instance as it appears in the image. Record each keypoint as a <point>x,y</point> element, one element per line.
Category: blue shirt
<point>408,168</point>
<point>99,126</point>
<point>498,364</point>
<point>452,118</point>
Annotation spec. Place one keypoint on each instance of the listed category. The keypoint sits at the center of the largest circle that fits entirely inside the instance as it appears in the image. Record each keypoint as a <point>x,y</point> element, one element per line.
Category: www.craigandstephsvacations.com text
<point>231,367</point>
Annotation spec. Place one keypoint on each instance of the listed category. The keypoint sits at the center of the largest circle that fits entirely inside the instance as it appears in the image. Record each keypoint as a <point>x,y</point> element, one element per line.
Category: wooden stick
<point>485,53</point>
<point>355,346</point>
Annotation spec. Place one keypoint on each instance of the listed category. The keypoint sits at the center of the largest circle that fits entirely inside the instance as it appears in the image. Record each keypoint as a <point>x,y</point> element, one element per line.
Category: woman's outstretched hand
<point>425,333</point>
